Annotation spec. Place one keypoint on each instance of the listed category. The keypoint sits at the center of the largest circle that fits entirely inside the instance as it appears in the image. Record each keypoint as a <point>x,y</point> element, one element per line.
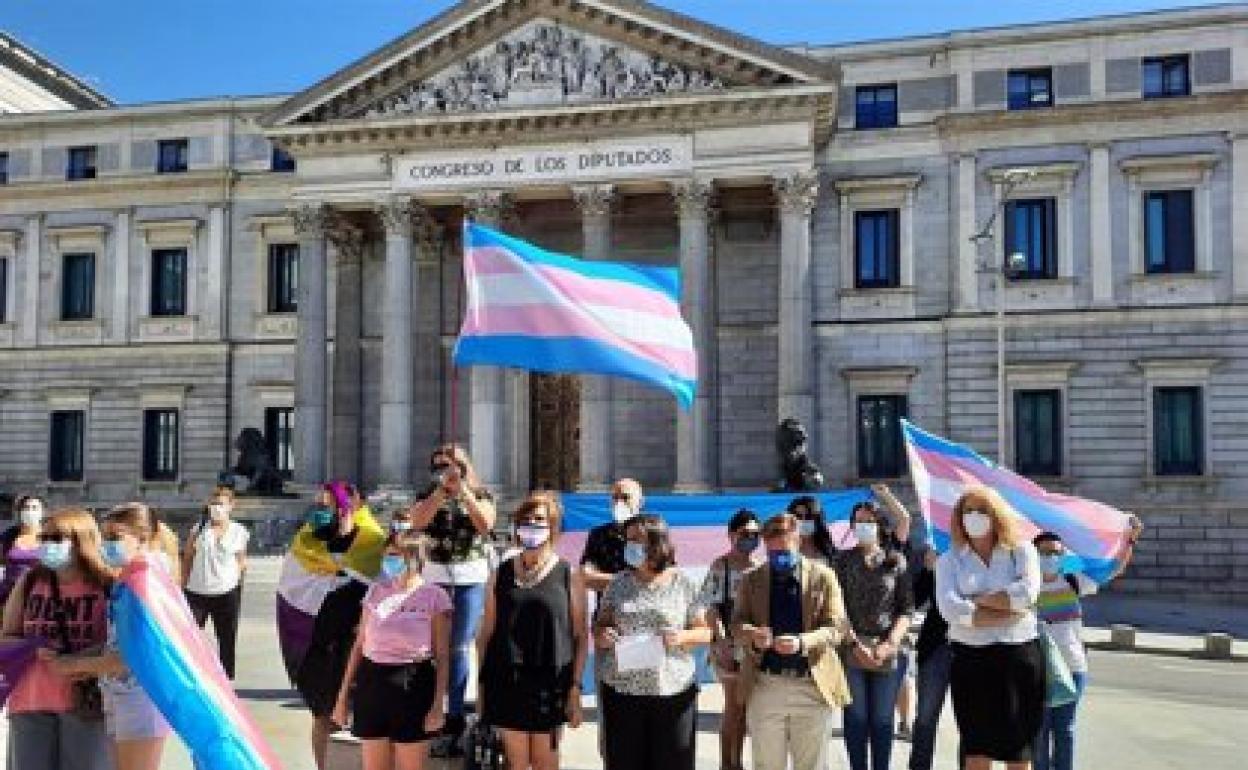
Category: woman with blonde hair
<point>986,587</point>
<point>52,724</point>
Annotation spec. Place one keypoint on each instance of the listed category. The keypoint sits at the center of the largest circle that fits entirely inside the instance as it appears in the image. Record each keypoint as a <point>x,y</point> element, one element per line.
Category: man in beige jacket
<point>790,616</point>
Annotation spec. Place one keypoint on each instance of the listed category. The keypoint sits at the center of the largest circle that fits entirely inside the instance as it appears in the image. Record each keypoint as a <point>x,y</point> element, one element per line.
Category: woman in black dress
<point>533,641</point>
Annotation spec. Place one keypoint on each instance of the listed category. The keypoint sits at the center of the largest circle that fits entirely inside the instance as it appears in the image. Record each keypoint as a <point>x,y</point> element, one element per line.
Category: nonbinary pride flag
<point>942,470</point>
<point>532,309</point>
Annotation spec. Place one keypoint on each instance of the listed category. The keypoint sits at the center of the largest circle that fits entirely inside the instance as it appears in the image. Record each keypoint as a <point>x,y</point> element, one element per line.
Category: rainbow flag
<point>179,670</point>
<point>533,309</point>
<point>942,470</point>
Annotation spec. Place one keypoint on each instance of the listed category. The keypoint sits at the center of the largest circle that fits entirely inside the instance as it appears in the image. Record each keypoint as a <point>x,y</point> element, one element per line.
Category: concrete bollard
<point>1122,636</point>
<point>344,754</point>
<point>1218,646</point>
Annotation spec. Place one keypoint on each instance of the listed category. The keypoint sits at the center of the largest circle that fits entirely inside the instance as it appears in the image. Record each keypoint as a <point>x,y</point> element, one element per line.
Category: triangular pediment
<point>491,55</point>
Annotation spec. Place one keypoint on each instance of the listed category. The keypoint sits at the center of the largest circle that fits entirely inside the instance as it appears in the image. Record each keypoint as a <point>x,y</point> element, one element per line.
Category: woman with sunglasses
<point>719,592</point>
<point>813,528</point>
<point>44,730</point>
<point>19,545</point>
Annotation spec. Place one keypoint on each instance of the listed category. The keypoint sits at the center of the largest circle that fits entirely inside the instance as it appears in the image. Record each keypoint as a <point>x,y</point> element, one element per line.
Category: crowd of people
<point>795,623</point>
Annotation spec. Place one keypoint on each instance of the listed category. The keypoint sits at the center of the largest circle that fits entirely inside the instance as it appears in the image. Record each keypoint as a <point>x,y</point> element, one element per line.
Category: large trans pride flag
<point>533,309</point>
<point>179,670</point>
<point>942,471</point>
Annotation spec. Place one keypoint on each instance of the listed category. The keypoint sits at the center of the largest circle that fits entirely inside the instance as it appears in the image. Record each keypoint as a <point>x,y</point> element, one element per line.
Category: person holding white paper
<point>651,617</point>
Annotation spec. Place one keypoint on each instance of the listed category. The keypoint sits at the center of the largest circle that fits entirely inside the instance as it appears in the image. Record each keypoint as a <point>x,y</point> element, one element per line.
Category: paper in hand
<point>639,652</point>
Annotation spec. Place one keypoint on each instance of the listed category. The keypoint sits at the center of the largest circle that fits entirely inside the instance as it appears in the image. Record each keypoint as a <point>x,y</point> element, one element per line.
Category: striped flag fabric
<point>533,309</point>
<point>942,470</point>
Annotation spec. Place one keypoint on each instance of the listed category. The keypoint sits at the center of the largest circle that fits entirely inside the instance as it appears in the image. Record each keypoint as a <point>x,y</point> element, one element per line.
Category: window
<point>1038,432</point>
<point>881,451</point>
<point>1178,440</point>
<point>81,163</point>
<point>281,160</point>
<point>1031,228</point>
<point>78,287</point>
<point>279,435</point>
<point>875,106</point>
<point>283,277</point>
<point>1163,76</point>
<point>4,168</point>
<point>160,444</point>
<point>4,291</point>
<point>171,156</point>
<point>65,445</point>
<point>169,282</point>
<point>1169,232</point>
<point>1029,89</point>
<point>877,255</point>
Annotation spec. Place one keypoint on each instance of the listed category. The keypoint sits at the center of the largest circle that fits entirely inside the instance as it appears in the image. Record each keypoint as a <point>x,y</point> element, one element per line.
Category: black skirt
<point>391,701</point>
<point>998,698</point>
<point>530,702</point>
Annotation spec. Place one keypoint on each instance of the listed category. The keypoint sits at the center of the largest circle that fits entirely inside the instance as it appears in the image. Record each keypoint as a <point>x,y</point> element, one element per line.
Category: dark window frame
<point>77,303</point>
<point>279,438</point>
<point>283,278</point>
<point>1178,232</point>
<point>82,163</point>
<point>1168,68</point>
<point>162,444</point>
<point>4,290</point>
<point>871,460</point>
<point>1028,448</point>
<point>1024,98</point>
<point>1038,267</point>
<point>67,429</point>
<point>172,156</point>
<point>886,266</point>
<point>281,161</point>
<point>877,114</point>
<point>163,304</point>
<point>4,167</point>
<point>1164,463</point>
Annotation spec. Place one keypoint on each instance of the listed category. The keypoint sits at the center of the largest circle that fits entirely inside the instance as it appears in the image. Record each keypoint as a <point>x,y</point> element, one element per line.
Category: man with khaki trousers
<point>791,617</point>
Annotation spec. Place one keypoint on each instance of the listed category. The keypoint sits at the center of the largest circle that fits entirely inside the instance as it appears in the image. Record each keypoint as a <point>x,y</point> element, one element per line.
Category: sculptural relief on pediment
<point>543,63</point>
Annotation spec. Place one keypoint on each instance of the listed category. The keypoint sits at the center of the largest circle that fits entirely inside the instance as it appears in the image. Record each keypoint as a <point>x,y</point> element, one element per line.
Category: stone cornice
<point>216,182</point>
<point>816,104</point>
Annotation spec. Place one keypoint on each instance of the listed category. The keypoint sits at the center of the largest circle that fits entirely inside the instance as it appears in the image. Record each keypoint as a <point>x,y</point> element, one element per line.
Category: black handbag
<point>483,747</point>
<point>87,702</point>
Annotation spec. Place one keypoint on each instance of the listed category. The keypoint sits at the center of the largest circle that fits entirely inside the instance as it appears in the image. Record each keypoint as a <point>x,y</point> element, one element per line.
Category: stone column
<point>397,366</point>
<point>1239,217</point>
<point>346,410</point>
<point>695,429</point>
<point>595,201</point>
<point>796,195</point>
<point>967,250</point>
<point>312,224</point>
<point>28,300</point>
<point>120,332</point>
<point>1100,225</point>
<point>489,435</point>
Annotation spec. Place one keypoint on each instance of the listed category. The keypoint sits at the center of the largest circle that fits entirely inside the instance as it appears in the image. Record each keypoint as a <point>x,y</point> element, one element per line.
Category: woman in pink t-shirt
<point>400,663</point>
<point>62,601</point>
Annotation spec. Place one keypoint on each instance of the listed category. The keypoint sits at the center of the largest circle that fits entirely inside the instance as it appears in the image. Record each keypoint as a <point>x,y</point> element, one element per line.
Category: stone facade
<point>759,215</point>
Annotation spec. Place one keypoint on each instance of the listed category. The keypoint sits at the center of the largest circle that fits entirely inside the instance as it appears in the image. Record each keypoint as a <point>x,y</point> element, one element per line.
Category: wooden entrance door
<point>555,431</point>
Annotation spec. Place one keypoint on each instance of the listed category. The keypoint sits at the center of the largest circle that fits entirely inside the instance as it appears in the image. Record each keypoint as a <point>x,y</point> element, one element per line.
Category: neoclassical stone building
<point>175,273</point>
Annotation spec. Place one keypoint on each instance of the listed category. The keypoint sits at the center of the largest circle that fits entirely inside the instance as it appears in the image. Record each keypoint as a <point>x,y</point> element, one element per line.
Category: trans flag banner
<point>942,470</point>
<point>179,670</point>
<point>533,309</point>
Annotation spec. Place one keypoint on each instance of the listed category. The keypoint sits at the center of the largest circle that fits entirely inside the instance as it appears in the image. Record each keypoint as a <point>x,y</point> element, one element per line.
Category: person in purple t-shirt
<point>19,544</point>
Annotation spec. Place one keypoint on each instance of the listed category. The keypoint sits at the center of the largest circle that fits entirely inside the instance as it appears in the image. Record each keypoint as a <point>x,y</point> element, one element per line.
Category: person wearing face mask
<point>879,602</point>
<point>719,591</point>
<point>131,531</point>
<point>532,642</point>
<point>46,731</point>
<point>791,617</point>
<point>214,564</point>
<point>816,541</point>
<point>1061,618</point>
<point>19,545</point>
<point>986,587</point>
<point>603,557</point>
<point>400,523</point>
<point>653,612</point>
<point>399,662</point>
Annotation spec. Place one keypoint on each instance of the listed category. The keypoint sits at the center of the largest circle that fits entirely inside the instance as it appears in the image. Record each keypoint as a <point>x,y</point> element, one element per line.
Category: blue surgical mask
<point>747,544</point>
<point>56,556</point>
<point>532,536</point>
<point>114,554</point>
<point>806,527</point>
<point>1051,564</point>
<point>782,560</point>
<point>401,526</point>
<point>392,566</point>
<point>319,516</point>
<point>634,555</point>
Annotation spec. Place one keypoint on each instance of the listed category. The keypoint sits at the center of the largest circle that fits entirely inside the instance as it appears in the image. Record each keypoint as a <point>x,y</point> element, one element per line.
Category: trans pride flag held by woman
<point>533,309</point>
<point>943,470</point>
<point>179,670</point>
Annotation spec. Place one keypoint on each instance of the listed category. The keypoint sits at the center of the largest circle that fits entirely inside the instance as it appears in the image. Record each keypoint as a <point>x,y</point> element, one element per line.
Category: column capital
<point>797,192</point>
<point>694,198</point>
<point>312,219</point>
<point>397,214</point>
<point>347,239</point>
<point>594,200</point>
<point>489,206</point>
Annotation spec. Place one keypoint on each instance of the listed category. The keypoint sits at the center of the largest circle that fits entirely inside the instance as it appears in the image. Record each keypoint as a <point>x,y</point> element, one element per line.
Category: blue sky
<point>157,50</point>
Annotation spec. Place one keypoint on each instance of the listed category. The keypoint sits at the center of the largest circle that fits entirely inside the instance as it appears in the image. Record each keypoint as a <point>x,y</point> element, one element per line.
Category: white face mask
<point>621,511</point>
<point>867,532</point>
<point>218,512</point>
<point>31,515</point>
<point>977,523</point>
